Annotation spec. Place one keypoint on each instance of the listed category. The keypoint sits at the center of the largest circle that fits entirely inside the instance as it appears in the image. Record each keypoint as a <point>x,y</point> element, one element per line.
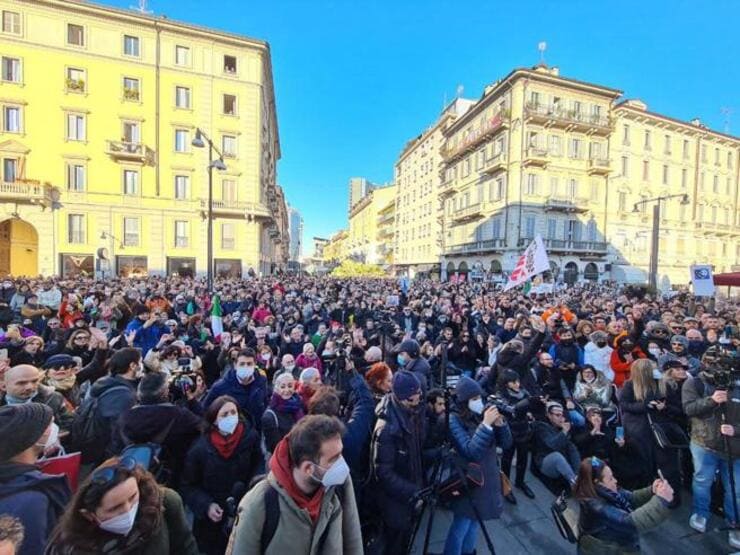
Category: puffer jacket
<point>706,415</point>
<point>608,528</point>
<point>599,358</point>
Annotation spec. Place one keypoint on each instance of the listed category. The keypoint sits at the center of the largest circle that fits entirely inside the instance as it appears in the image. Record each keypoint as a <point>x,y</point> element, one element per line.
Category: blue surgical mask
<point>400,360</point>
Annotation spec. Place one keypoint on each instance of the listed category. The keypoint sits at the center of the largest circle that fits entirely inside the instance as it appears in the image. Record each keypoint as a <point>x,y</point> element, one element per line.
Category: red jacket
<point>621,367</point>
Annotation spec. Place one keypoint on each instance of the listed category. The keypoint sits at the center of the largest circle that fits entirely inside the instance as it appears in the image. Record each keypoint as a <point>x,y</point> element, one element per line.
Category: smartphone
<point>660,475</point>
<point>620,432</point>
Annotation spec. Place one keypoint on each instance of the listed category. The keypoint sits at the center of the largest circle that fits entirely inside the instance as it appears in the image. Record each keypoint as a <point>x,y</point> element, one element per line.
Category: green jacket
<point>295,533</point>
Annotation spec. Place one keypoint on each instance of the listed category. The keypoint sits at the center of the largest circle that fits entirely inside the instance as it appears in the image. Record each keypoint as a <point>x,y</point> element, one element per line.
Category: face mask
<point>656,374</point>
<point>228,424</point>
<point>336,475</point>
<point>476,406</point>
<point>601,344</point>
<point>53,438</point>
<point>265,357</point>
<point>244,372</point>
<point>12,400</point>
<point>400,360</point>
<point>654,352</point>
<point>568,341</point>
<point>121,524</point>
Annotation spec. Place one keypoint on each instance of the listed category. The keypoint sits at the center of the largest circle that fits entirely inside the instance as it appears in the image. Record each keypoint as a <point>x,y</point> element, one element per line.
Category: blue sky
<point>355,80</point>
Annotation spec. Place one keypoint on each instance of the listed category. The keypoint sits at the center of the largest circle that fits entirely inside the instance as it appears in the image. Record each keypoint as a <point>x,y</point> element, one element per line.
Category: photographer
<point>713,405</point>
<point>476,431</point>
<point>171,356</point>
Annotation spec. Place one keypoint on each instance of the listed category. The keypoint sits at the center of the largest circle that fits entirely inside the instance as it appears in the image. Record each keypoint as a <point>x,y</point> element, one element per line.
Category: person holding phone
<point>611,518</point>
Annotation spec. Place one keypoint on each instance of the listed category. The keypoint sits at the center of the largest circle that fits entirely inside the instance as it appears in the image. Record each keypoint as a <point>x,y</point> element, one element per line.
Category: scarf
<point>226,445</point>
<point>64,384</point>
<point>616,498</point>
<point>293,406</point>
<point>282,468</point>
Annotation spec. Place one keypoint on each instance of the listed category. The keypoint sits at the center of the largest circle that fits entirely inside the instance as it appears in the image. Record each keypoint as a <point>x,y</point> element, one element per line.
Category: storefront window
<point>228,268</point>
<point>183,267</point>
<point>74,265</point>
<point>132,266</point>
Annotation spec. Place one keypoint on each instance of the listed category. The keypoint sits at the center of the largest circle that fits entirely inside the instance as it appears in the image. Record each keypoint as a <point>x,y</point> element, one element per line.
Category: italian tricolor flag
<point>217,322</point>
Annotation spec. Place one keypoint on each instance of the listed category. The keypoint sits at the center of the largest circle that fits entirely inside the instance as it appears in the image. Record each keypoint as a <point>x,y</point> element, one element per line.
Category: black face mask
<point>601,344</point>
<point>567,341</point>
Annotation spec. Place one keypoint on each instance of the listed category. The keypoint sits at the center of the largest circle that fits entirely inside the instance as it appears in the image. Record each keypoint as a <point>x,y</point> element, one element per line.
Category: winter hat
<point>405,385</point>
<point>21,426</point>
<point>409,346</point>
<point>466,389</point>
<point>598,336</point>
<point>680,339</point>
<point>674,363</point>
<point>59,361</point>
<point>374,354</point>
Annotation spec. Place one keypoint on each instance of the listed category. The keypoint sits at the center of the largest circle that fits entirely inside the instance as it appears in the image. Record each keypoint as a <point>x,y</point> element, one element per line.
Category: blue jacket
<point>145,338</point>
<point>252,398</point>
<point>477,443</point>
<point>358,427</point>
<point>34,498</point>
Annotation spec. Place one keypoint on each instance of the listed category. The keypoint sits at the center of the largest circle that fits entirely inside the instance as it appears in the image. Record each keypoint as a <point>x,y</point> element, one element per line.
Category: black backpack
<point>88,431</point>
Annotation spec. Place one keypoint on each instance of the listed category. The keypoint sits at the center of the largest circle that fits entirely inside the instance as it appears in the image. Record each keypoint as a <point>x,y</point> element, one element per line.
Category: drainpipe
<point>157,105</point>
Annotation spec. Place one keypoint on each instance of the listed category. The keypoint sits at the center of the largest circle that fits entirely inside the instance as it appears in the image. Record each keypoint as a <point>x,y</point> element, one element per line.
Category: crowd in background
<point>307,415</point>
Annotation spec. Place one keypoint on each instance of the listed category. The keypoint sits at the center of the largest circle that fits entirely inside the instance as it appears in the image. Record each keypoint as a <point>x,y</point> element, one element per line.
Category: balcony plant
<point>75,84</point>
<point>131,94</point>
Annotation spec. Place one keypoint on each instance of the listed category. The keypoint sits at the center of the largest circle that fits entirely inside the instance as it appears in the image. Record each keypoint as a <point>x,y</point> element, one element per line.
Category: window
<point>131,232</point>
<point>12,119</point>
<point>595,151</point>
<point>75,177</point>
<point>131,89</point>
<point>729,160</point>
<point>76,228</point>
<point>534,98</point>
<point>531,186</point>
<point>685,148</point>
<point>131,46</point>
<point>181,140</point>
<point>715,184</point>
<point>555,145</point>
<point>716,157</point>
<point>703,153</point>
<point>11,70</point>
<point>229,104</point>
<point>10,170</point>
<point>181,233</point>
<point>75,34</point>
<point>667,143</point>
<point>622,202</point>
<point>11,22</point>
<point>701,180</point>
<point>684,178</point>
<point>182,97</point>
<point>714,214</point>
<point>700,213</point>
<point>552,226</point>
<point>130,182</point>
<point>228,237</point>
<point>626,135</point>
<point>625,166</point>
<point>594,191</point>
<point>230,64</point>
<point>645,170</point>
<point>75,127</point>
<point>575,148</point>
<point>75,79</point>
<point>182,55</point>
<point>182,187</point>
<point>131,132</point>
<point>228,146</point>
<point>529,222</point>
<point>228,190</point>
<point>554,186</point>
<point>647,140</point>
<point>728,186</point>
<point>665,174</point>
<point>572,191</point>
<point>682,212</point>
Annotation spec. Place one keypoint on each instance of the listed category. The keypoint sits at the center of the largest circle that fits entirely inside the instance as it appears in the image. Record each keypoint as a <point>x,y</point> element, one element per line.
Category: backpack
<point>151,455</point>
<point>87,430</point>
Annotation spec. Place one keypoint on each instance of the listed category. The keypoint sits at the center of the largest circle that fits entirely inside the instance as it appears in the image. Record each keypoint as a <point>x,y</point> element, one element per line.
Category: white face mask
<point>657,374</point>
<point>289,367</point>
<point>121,524</point>
<point>476,406</point>
<point>336,475</point>
<point>655,352</point>
<point>244,372</point>
<point>53,438</point>
<point>227,424</point>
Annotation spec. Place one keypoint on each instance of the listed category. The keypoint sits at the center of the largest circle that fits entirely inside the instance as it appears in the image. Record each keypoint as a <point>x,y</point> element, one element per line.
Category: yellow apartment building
<point>99,110</point>
<point>336,249</point>
<point>362,239</point>
<point>386,233</point>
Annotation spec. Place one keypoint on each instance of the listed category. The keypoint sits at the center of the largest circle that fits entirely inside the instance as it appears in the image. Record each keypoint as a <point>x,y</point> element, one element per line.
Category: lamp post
<point>199,141</point>
<point>653,278</point>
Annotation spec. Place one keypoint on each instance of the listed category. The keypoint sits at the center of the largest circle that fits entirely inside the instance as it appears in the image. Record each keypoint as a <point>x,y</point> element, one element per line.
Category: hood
<point>108,382</point>
<point>18,478</point>
<point>144,422</point>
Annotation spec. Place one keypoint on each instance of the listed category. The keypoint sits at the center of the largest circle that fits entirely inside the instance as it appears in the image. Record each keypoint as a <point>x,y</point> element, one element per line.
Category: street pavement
<point>528,528</point>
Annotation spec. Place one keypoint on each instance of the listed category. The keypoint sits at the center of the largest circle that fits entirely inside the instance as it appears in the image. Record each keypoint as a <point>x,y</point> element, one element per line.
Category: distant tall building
<point>295,224</point>
<point>359,188</point>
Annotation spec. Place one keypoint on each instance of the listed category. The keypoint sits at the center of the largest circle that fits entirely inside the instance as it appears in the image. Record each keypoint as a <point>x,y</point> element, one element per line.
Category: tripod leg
<point>731,472</point>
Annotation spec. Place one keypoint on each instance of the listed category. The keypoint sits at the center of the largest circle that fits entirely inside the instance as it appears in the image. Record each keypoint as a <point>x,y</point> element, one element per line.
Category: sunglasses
<point>105,475</point>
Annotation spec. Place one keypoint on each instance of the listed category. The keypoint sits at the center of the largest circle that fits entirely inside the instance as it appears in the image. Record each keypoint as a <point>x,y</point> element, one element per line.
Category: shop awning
<point>732,279</point>
<point>628,274</point>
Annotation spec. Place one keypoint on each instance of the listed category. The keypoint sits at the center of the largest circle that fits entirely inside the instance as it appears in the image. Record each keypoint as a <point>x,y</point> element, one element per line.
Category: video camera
<point>724,366</point>
<point>182,381</point>
<point>503,407</point>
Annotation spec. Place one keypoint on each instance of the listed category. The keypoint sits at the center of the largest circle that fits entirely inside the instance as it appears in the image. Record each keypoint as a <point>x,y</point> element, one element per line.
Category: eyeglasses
<point>105,475</point>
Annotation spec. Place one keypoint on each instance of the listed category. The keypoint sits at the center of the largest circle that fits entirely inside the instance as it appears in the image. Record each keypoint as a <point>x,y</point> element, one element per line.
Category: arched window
<point>591,272</point>
<point>570,275</point>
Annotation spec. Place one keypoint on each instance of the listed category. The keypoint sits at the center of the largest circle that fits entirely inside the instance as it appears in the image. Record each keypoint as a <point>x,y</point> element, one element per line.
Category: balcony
<point>564,246</point>
<point>598,166</point>
<point>564,204</point>
<point>131,94</point>
<point>26,191</point>
<point>490,127</point>
<point>385,231</point>
<point>447,188</point>
<point>557,116</point>
<point>470,212</point>
<point>236,209</point>
<point>386,218</point>
<point>75,85</point>
<point>536,156</point>
<point>137,152</point>
<point>494,164</point>
<point>489,245</point>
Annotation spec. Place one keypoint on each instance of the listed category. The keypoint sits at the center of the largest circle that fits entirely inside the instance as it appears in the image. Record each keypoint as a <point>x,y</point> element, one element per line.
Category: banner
<point>533,261</point>
<point>701,277</point>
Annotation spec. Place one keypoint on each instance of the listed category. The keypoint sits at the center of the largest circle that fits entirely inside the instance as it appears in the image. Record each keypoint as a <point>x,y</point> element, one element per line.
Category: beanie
<point>405,385</point>
<point>21,426</point>
<point>409,346</point>
<point>680,339</point>
<point>59,361</point>
<point>466,389</point>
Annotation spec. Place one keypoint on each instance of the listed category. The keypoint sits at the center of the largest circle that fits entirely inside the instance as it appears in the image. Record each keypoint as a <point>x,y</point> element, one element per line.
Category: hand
<point>569,405</point>
<point>727,430</point>
<point>664,490</point>
<point>537,323</point>
<point>628,357</point>
<point>491,415</point>
<point>660,405</point>
<point>215,512</point>
<point>719,397</point>
<point>130,337</point>
<point>566,427</point>
<point>225,339</point>
<point>655,485</point>
<point>619,441</point>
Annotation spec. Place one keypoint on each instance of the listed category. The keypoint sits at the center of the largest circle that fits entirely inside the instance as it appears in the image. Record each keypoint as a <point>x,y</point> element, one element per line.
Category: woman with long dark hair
<point>226,455</point>
<point>120,508</point>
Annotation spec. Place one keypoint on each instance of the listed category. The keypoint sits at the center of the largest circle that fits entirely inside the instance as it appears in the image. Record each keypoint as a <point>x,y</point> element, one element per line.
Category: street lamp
<point>653,283</point>
<point>199,141</point>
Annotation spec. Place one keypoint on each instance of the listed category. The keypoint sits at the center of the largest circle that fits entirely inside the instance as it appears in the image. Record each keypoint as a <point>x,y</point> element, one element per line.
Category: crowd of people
<point>320,415</point>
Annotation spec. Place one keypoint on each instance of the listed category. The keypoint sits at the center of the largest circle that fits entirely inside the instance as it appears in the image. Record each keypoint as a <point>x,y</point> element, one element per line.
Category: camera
<point>503,407</point>
<point>724,367</point>
<point>182,382</point>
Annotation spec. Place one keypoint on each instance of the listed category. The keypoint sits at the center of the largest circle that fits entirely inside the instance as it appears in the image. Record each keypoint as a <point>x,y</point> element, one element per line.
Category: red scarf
<point>225,445</point>
<point>282,469</point>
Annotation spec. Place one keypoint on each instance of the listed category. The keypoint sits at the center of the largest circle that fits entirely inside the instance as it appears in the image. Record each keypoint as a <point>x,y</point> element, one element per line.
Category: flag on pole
<point>217,322</point>
<point>533,261</point>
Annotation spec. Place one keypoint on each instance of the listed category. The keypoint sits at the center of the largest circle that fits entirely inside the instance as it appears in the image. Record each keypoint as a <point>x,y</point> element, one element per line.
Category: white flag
<point>532,262</point>
<point>701,277</point>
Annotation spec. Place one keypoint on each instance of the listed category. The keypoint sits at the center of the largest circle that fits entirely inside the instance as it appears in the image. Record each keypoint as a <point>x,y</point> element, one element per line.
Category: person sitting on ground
<point>611,519</point>
<point>554,453</point>
<point>598,353</point>
<point>593,389</point>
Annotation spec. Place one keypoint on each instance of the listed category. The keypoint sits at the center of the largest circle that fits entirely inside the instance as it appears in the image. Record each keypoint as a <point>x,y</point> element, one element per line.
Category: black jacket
<point>275,426</point>
<point>109,409</point>
<point>549,439</point>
